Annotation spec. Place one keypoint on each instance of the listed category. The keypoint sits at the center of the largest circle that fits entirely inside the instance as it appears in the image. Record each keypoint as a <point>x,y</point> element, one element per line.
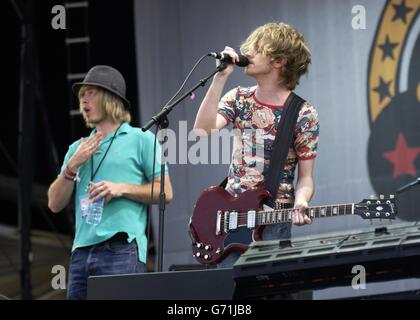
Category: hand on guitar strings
<point>299,217</point>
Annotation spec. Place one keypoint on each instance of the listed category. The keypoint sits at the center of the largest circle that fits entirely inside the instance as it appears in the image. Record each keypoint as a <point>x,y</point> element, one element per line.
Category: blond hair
<point>281,41</point>
<point>110,103</point>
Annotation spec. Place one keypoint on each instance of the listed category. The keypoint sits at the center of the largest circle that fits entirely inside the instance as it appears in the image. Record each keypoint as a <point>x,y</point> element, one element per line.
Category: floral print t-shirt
<point>255,125</point>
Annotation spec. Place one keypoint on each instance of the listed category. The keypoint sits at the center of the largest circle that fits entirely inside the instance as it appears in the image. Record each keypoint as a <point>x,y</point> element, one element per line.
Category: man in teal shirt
<point>112,169</point>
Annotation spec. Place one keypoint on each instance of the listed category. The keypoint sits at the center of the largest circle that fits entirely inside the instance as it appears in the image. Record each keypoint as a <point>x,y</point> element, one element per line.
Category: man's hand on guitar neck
<point>299,216</point>
<point>304,191</point>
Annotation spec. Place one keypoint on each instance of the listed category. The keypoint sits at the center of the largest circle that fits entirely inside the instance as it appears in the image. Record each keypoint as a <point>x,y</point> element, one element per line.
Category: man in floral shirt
<point>278,56</point>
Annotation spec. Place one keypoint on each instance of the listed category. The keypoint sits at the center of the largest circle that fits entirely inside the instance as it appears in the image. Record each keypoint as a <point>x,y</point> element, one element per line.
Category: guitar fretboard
<point>285,215</point>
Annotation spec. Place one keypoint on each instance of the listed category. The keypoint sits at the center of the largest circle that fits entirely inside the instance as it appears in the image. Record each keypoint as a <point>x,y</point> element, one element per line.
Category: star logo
<point>383,89</point>
<point>401,11</point>
<point>402,157</point>
<point>388,48</point>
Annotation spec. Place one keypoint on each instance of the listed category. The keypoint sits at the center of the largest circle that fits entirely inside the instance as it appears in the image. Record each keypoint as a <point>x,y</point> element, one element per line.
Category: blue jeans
<point>106,258</point>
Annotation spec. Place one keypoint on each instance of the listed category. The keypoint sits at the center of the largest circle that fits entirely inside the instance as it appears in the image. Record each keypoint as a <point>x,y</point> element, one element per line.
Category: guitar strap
<point>281,144</point>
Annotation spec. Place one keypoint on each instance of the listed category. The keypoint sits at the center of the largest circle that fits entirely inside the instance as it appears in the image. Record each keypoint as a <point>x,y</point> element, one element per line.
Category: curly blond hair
<point>281,41</point>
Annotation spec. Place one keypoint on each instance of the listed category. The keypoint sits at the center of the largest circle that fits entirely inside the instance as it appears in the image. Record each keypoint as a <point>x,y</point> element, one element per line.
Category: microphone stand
<point>161,120</point>
<point>409,185</point>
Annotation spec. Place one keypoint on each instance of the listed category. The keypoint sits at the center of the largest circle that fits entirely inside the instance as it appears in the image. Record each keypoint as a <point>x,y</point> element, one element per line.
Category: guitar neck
<point>285,215</point>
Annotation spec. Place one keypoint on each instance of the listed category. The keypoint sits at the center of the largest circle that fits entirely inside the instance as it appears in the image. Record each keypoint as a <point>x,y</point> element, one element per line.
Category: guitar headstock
<point>379,208</point>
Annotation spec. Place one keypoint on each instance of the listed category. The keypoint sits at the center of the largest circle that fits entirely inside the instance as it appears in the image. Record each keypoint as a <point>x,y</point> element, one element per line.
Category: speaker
<point>214,284</point>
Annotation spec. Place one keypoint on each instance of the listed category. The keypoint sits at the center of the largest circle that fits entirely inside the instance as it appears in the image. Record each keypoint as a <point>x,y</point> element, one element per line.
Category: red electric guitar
<point>222,223</point>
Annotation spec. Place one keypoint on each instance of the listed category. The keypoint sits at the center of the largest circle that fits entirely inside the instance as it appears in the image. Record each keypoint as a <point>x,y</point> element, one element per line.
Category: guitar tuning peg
<point>380,220</point>
<point>370,221</point>
<point>371,197</point>
<point>391,196</point>
<point>390,221</point>
<point>381,196</point>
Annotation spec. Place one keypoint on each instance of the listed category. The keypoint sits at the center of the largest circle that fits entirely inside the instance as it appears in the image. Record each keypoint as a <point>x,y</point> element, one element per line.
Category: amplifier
<point>322,261</point>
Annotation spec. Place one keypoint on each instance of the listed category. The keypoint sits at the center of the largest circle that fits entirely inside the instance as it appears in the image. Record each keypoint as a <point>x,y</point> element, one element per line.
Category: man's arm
<point>139,193</point>
<point>207,117</point>
<point>304,191</point>
<point>60,191</point>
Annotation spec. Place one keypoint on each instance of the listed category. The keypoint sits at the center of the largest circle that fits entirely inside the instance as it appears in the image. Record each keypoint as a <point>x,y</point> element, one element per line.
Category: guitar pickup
<point>225,222</point>
<point>250,223</point>
<point>218,222</point>
<point>233,220</point>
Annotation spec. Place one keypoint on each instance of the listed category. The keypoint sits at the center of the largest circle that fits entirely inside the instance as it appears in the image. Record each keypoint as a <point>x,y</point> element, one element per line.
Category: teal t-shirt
<point>129,160</point>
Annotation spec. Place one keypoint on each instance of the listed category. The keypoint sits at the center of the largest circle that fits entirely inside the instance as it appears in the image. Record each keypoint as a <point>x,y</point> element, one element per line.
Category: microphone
<point>243,61</point>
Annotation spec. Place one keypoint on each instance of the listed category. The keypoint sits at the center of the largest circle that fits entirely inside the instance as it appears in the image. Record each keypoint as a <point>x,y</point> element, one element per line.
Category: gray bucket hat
<point>107,78</point>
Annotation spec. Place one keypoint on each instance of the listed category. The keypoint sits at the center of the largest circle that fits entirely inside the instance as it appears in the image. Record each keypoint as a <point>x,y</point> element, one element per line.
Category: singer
<point>112,169</point>
<point>278,56</point>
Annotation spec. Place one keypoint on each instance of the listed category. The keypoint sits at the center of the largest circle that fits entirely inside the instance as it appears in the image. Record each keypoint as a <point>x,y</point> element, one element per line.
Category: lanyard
<point>93,174</point>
